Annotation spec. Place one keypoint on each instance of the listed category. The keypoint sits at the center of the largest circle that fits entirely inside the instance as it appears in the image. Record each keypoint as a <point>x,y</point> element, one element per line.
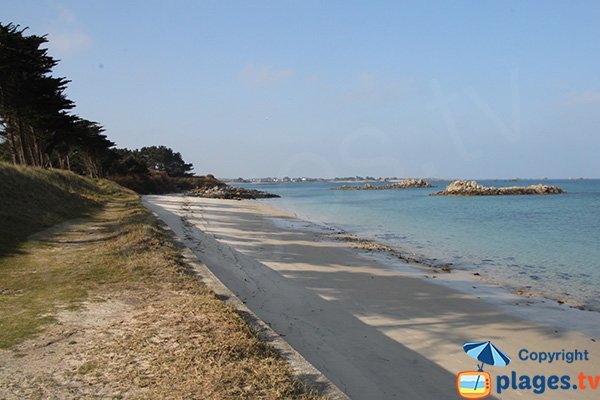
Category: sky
<point>471,89</point>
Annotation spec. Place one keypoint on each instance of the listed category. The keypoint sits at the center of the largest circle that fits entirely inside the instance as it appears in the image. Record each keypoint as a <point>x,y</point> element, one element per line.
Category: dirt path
<point>124,317</point>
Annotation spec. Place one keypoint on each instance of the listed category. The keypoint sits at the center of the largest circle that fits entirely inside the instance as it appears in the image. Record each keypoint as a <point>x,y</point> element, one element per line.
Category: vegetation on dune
<point>32,199</point>
<point>156,183</point>
<point>158,169</point>
<point>163,159</point>
<point>171,337</point>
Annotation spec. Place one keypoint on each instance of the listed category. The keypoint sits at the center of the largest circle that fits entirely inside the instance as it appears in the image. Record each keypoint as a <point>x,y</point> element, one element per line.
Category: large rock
<point>231,193</point>
<point>406,183</point>
<point>472,188</point>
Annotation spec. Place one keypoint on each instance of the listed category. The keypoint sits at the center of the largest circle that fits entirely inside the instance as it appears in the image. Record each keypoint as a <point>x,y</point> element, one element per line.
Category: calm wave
<point>546,244</point>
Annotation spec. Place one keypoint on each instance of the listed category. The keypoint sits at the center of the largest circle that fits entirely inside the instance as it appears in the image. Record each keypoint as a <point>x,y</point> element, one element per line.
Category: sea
<point>548,245</point>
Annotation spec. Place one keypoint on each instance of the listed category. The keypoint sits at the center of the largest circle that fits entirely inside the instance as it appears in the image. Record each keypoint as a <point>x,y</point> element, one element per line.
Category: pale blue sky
<point>337,88</point>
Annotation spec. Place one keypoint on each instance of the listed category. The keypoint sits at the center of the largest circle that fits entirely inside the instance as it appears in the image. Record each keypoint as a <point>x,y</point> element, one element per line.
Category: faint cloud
<point>69,42</point>
<point>264,75</point>
<point>65,35</point>
<point>584,98</point>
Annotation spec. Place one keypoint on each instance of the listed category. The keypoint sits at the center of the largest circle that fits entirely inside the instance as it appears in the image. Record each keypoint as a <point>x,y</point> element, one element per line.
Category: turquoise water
<point>546,244</point>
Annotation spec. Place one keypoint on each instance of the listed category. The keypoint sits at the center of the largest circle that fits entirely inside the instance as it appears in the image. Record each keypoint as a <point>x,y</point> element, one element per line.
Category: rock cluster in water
<point>231,193</point>
<point>472,188</point>
<point>407,183</point>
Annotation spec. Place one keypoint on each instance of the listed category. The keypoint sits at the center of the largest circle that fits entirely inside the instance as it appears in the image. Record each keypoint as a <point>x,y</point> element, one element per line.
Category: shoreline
<point>434,265</point>
<point>374,325</point>
<point>512,299</point>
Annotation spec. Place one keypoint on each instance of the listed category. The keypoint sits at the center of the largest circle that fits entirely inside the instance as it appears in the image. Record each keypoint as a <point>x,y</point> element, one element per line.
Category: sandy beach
<point>376,327</point>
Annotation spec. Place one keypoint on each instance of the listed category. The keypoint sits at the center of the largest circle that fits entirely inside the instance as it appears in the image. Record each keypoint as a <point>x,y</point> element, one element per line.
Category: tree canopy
<point>38,126</point>
<point>162,158</point>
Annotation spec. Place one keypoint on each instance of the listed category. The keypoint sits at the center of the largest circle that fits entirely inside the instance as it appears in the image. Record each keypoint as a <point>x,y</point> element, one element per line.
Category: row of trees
<point>149,159</point>
<point>38,127</point>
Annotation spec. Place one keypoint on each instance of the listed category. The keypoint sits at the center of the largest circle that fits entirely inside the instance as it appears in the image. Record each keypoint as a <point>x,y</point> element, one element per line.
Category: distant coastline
<point>368,179</point>
<point>404,184</point>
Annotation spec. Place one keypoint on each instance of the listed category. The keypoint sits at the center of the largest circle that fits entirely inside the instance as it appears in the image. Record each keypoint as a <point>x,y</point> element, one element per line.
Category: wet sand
<point>378,328</point>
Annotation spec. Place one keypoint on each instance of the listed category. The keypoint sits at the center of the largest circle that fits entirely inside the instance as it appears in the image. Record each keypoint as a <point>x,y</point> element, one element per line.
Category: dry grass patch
<point>184,343</point>
<point>58,269</point>
<point>103,307</point>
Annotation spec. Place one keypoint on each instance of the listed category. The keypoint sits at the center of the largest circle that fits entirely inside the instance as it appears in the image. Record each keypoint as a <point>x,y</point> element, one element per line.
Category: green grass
<point>59,267</point>
<point>115,247</point>
<point>32,199</point>
<point>38,275</point>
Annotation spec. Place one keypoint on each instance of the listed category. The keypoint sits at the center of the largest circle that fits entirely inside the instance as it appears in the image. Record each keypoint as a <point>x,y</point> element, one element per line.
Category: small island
<point>472,188</point>
<point>405,184</point>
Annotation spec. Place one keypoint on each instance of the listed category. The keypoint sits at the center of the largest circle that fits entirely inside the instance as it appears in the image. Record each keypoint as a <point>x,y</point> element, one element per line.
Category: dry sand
<point>376,327</point>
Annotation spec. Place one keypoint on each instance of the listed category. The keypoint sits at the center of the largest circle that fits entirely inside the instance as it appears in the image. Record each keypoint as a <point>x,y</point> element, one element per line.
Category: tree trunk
<point>26,155</point>
<point>36,151</point>
<point>13,148</point>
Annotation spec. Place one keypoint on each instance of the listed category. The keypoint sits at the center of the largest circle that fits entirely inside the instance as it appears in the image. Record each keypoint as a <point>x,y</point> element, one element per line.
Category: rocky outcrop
<point>231,193</point>
<point>472,188</point>
<point>407,183</point>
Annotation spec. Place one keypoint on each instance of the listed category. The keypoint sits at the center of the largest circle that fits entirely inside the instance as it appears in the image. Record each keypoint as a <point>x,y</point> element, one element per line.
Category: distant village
<point>363,179</point>
<point>287,179</point>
